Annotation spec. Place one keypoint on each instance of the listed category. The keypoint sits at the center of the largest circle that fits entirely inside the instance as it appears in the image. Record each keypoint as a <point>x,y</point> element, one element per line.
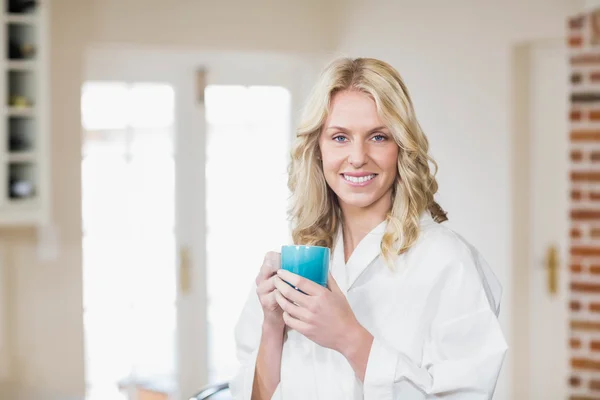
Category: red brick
<point>575,41</point>
<point>595,233</point>
<point>594,384</point>
<point>595,269</point>
<point>585,326</point>
<point>595,345</point>
<point>585,287</point>
<point>575,115</point>
<point>576,268</point>
<point>594,307</point>
<point>594,115</point>
<point>585,176</point>
<point>594,195</point>
<point>585,214</point>
<point>583,59</point>
<point>595,156</point>
<point>585,136</point>
<point>576,155</point>
<point>575,233</point>
<point>595,77</point>
<point>585,363</point>
<point>574,305</point>
<point>574,381</point>
<point>585,251</point>
<point>576,195</point>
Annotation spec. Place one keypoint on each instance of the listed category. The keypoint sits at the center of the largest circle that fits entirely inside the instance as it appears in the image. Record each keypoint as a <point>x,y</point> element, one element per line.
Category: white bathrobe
<point>433,319</point>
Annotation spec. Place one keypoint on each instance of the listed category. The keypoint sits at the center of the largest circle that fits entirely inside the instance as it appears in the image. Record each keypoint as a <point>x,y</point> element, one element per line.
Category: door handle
<point>552,265</point>
<point>185,270</point>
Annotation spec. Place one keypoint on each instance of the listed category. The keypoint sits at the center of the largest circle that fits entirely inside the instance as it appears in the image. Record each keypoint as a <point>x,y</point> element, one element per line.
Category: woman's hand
<point>322,315</point>
<point>265,289</point>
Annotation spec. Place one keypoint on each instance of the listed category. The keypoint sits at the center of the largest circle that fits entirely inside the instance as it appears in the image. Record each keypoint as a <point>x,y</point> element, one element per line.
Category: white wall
<point>591,4</point>
<point>456,58</point>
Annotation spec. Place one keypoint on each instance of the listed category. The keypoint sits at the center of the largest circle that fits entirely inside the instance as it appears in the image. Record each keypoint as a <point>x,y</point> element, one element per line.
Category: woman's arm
<point>356,349</point>
<point>268,362</point>
<point>259,337</point>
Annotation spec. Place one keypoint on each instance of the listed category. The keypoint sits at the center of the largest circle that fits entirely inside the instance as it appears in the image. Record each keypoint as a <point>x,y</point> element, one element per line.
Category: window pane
<point>154,334</point>
<point>128,192</point>
<point>108,337</point>
<point>107,276</point>
<point>105,189</point>
<point>104,105</point>
<point>153,269</point>
<point>152,105</point>
<point>109,142</point>
<point>152,193</point>
<point>152,141</point>
<point>247,156</point>
<point>226,105</point>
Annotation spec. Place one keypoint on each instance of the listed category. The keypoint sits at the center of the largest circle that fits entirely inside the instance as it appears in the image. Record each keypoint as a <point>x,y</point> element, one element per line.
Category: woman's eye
<point>379,138</point>
<point>340,139</point>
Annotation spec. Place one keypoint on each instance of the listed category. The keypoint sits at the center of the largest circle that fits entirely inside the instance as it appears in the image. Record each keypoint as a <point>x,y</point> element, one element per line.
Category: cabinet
<point>24,126</point>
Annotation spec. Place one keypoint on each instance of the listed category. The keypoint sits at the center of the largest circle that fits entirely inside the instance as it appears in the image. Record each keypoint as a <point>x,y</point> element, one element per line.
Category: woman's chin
<point>357,201</point>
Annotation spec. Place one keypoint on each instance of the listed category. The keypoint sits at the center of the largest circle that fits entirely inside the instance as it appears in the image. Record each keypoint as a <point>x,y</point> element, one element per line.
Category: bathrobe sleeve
<point>248,331</point>
<point>465,348</point>
<point>247,338</point>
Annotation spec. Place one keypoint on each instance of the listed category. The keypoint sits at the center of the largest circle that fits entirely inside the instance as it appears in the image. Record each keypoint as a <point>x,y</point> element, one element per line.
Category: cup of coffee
<point>310,262</point>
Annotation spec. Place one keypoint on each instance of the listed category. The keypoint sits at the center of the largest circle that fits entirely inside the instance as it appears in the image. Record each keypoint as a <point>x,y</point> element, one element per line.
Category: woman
<point>410,311</point>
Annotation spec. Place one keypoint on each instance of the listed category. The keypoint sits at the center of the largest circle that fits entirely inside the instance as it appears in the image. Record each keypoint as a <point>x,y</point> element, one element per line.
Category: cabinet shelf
<point>26,19</point>
<point>25,65</point>
<point>21,157</point>
<point>26,112</point>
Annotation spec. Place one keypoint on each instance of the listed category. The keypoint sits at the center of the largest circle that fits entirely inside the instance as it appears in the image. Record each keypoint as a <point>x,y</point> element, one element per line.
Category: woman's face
<point>358,152</point>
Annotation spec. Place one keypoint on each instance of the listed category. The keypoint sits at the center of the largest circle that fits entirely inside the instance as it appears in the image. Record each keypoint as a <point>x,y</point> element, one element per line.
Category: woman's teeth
<point>358,179</point>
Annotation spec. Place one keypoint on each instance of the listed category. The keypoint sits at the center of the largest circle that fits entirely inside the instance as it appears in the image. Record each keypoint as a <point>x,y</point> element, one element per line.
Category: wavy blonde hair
<point>315,213</point>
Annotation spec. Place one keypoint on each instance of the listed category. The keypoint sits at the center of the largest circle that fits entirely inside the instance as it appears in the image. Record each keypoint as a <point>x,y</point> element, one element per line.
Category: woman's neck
<point>357,222</point>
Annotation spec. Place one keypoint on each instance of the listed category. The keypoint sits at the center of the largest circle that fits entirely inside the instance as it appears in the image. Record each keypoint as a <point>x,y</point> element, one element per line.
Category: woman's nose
<point>357,156</point>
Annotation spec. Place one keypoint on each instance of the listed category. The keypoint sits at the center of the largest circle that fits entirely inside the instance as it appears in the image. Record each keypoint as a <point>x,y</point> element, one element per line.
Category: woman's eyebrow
<point>341,128</point>
<point>338,128</point>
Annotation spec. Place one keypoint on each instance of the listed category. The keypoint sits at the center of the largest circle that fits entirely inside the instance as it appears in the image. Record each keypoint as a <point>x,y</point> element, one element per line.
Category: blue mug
<point>310,262</point>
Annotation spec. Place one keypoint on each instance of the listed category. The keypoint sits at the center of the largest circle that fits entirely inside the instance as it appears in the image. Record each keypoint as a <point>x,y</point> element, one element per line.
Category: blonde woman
<point>410,311</point>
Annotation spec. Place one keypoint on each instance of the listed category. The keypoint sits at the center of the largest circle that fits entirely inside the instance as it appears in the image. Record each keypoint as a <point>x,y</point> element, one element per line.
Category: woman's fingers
<point>270,300</point>
<point>266,286</point>
<point>291,308</point>
<point>296,324</point>
<point>306,285</point>
<point>291,294</point>
<point>271,263</point>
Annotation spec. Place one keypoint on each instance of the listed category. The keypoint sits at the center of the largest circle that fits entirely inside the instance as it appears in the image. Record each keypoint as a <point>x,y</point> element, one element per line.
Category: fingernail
<point>279,271</point>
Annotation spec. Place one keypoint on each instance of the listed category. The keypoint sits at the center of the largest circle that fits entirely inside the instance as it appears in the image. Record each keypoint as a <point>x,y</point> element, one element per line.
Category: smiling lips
<point>358,179</point>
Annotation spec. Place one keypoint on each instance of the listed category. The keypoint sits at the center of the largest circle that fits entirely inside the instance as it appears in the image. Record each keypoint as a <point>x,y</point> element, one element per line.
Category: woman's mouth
<point>359,180</point>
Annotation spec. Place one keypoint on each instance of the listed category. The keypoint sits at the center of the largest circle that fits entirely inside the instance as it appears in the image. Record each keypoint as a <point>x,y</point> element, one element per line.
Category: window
<point>128,193</point>
<point>248,139</point>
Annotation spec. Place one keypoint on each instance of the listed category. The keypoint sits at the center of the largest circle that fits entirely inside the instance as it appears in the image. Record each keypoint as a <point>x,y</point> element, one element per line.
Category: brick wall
<point>584,43</point>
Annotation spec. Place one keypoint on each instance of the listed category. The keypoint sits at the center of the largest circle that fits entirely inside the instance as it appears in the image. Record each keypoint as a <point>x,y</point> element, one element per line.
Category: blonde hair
<point>314,211</point>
